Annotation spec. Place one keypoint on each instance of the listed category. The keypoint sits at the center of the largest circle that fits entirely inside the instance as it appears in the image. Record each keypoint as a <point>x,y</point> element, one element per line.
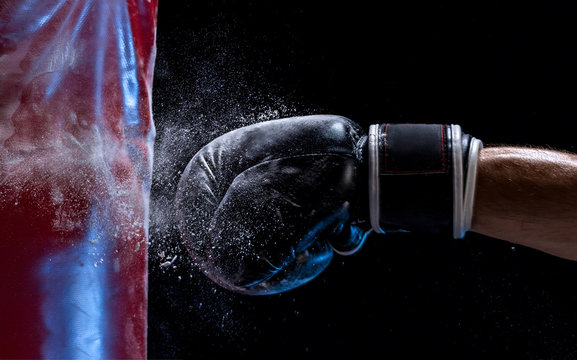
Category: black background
<point>505,71</point>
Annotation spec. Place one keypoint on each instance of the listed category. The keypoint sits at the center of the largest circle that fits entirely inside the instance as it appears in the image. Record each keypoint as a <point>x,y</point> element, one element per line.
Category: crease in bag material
<point>76,137</point>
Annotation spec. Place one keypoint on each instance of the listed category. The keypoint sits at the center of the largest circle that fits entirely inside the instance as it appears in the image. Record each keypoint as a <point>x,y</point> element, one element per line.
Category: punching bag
<point>76,137</point>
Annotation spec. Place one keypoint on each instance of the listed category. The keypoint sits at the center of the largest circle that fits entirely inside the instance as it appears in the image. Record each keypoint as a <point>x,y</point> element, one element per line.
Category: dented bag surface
<point>76,137</point>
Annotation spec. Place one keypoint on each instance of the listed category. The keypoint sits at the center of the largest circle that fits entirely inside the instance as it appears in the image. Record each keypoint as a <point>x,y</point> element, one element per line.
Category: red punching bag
<point>76,137</point>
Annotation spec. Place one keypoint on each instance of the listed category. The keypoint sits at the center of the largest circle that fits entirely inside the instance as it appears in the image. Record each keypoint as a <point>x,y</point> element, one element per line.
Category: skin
<point>529,197</point>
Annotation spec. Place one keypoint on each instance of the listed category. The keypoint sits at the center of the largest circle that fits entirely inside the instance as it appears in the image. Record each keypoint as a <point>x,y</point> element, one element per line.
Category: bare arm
<point>529,197</point>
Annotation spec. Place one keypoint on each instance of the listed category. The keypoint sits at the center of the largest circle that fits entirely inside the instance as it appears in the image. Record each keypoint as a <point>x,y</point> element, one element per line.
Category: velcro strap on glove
<point>417,177</point>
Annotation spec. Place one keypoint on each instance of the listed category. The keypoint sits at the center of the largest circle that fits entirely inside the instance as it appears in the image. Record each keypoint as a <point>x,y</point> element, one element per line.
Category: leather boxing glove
<point>262,208</point>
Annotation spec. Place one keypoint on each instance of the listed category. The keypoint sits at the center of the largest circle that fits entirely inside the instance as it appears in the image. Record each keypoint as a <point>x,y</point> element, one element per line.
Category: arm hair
<point>529,197</point>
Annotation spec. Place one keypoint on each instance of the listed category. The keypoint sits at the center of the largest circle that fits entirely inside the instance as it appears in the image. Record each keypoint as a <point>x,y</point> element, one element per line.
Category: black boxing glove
<point>261,209</point>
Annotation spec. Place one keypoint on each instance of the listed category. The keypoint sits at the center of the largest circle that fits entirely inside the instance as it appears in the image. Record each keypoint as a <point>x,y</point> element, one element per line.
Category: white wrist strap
<point>374,184</point>
<point>468,202</point>
<point>463,194</point>
<point>457,146</point>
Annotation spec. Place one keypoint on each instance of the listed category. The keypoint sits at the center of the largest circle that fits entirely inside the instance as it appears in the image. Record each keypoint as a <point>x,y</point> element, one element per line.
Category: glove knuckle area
<point>258,223</point>
<point>242,148</point>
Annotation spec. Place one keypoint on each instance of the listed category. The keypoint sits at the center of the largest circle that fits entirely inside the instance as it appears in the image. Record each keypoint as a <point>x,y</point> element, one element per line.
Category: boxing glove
<point>263,208</point>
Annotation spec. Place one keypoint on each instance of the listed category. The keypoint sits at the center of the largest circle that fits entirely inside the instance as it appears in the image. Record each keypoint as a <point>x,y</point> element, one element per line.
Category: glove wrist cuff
<point>421,177</point>
<point>374,183</point>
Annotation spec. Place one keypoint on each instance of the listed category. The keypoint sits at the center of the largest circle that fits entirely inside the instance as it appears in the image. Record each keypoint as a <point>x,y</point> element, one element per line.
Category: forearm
<point>529,197</point>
